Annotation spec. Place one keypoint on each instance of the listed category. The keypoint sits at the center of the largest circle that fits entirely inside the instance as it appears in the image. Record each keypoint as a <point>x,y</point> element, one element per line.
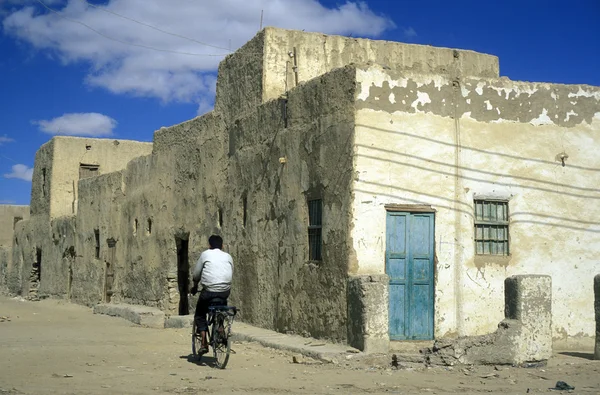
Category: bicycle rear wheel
<point>196,342</point>
<point>221,342</point>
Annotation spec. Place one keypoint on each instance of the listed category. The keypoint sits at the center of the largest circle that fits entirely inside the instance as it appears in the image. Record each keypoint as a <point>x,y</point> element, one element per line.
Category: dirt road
<point>53,347</point>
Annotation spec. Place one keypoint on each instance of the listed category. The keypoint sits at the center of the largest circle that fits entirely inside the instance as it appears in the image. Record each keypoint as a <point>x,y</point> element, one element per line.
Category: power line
<point>153,27</point>
<point>121,41</point>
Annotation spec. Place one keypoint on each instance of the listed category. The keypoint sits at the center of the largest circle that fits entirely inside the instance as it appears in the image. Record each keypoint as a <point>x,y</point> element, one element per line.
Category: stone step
<point>142,315</point>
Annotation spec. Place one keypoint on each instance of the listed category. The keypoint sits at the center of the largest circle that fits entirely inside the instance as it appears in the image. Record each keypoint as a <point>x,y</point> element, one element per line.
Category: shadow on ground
<point>583,355</point>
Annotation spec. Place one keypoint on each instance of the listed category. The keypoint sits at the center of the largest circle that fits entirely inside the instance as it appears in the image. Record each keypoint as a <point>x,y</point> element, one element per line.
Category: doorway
<point>35,277</point>
<point>109,271</point>
<point>183,273</point>
<point>410,267</point>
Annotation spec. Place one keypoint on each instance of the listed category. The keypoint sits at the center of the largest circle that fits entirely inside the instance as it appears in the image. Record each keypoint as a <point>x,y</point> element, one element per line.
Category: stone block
<point>142,315</point>
<point>524,336</point>
<point>528,300</point>
<point>368,313</point>
<point>597,311</point>
<point>179,321</point>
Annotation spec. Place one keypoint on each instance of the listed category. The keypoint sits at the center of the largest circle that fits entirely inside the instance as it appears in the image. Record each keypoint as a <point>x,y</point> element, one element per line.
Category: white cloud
<point>410,32</point>
<point>5,201</point>
<point>21,172</point>
<point>5,139</point>
<point>125,69</point>
<point>79,124</point>
<point>204,106</point>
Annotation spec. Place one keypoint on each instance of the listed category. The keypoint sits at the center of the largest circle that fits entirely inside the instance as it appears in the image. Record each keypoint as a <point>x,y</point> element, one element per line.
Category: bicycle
<point>220,319</point>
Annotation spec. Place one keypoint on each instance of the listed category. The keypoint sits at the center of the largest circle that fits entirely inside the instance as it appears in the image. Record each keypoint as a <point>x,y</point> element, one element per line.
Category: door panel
<point>409,265</point>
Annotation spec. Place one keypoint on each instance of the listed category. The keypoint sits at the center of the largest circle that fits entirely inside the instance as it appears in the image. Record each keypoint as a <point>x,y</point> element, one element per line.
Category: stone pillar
<point>597,310</point>
<point>368,313</point>
<point>528,300</point>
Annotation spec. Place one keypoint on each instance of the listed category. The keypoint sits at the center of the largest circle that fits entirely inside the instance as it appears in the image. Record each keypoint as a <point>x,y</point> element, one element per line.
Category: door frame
<point>410,209</point>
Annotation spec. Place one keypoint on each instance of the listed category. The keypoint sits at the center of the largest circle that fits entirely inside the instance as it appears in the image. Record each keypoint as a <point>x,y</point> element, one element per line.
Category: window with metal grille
<point>491,227</point>
<point>315,221</point>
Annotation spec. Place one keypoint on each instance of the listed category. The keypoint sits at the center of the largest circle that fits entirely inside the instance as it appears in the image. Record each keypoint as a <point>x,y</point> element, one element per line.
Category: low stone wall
<point>524,336</point>
<point>597,310</point>
<point>368,313</point>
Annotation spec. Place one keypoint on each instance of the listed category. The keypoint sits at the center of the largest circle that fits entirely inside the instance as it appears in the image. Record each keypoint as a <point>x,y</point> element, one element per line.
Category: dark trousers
<point>204,302</point>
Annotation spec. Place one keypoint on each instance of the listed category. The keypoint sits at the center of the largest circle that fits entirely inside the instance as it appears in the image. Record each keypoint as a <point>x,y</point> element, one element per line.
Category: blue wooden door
<point>409,264</point>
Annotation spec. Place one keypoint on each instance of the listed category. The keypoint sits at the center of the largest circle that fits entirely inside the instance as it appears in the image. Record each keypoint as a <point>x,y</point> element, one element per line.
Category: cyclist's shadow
<point>206,360</point>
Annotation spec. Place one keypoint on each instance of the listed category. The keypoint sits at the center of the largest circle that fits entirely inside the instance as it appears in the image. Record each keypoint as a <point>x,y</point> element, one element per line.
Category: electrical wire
<point>153,27</point>
<point>121,41</point>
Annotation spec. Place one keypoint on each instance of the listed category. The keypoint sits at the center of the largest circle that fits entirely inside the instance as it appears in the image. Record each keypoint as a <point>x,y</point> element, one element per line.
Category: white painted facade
<point>424,158</point>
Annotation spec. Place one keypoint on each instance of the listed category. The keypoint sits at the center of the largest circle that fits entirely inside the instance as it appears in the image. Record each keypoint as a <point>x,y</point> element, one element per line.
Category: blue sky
<point>60,77</point>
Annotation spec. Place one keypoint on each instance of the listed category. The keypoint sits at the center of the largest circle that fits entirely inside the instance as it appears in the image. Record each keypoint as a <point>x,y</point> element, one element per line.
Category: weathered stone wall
<point>41,179</point>
<point>43,256</point>
<point>99,209</point>
<point>56,170</point>
<point>276,285</point>
<point>240,81</point>
<point>9,214</point>
<point>9,217</point>
<point>195,184</point>
<point>277,60</point>
<point>426,139</point>
<point>69,153</point>
<point>172,193</point>
<point>597,315</point>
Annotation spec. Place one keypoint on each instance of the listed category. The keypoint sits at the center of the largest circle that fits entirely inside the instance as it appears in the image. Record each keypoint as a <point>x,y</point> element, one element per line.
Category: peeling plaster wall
<point>317,54</point>
<point>509,136</point>
<point>277,60</point>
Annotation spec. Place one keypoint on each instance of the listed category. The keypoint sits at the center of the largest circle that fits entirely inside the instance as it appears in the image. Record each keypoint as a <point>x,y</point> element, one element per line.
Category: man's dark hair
<point>215,241</point>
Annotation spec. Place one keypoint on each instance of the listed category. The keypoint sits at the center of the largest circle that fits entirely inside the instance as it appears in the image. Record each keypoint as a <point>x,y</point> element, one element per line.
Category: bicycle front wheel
<point>221,342</point>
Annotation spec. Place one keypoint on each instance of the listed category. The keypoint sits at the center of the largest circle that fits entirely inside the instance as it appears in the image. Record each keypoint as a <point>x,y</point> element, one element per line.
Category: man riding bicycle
<point>214,270</point>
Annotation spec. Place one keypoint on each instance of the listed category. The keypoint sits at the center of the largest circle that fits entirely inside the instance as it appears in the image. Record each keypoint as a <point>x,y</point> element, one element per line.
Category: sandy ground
<point>53,347</point>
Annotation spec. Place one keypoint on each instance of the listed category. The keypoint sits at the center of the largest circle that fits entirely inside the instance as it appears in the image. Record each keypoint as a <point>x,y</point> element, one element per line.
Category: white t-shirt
<point>214,269</point>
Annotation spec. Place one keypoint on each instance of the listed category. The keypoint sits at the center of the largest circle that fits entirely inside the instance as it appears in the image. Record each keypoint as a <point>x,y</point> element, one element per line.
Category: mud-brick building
<point>10,215</point>
<point>368,191</point>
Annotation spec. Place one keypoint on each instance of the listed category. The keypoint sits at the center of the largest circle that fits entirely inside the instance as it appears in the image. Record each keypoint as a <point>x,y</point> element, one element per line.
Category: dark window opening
<point>491,227</point>
<point>44,182</point>
<point>15,220</point>
<point>135,227</point>
<point>315,227</point>
<point>97,237</point>
<point>183,273</point>
<point>86,171</point>
<point>220,218</point>
<point>149,227</point>
<point>245,211</point>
